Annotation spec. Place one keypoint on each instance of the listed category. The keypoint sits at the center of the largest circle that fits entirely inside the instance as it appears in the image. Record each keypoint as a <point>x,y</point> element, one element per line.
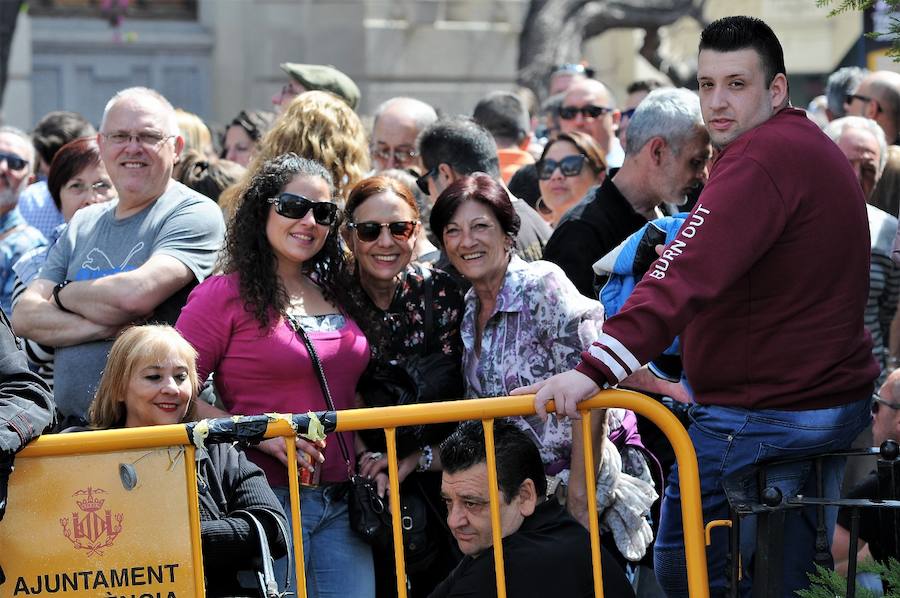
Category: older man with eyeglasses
<point>125,261</point>
<point>877,527</point>
<point>396,125</point>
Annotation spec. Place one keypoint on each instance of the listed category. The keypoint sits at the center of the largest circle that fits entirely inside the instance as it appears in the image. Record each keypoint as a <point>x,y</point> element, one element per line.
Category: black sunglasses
<point>422,181</point>
<point>295,207</point>
<point>569,166</point>
<point>369,231</point>
<point>570,112</point>
<point>14,161</point>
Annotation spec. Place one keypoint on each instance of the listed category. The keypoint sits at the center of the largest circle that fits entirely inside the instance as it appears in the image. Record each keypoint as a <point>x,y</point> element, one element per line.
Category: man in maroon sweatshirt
<point>766,283</point>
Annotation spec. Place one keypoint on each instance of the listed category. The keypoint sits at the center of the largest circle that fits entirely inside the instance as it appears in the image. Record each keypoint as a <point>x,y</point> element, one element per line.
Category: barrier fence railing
<point>254,428</point>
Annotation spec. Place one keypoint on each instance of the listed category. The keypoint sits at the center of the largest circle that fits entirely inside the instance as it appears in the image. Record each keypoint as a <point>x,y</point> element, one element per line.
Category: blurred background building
<point>216,57</point>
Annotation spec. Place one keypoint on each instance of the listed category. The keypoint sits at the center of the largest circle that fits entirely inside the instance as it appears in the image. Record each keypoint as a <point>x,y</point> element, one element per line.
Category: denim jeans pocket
<point>722,424</point>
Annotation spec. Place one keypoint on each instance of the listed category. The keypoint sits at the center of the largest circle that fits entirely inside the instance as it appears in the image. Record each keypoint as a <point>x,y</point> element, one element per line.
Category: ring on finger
<point>375,456</point>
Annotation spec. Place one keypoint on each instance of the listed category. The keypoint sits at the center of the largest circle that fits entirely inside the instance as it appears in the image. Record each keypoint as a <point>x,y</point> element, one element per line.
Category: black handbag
<point>370,516</point>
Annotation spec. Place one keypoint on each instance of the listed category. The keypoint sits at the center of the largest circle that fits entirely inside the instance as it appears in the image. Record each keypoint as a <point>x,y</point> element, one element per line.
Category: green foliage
<point>846,5</point>
<point>826,583</point>
<point>893,31</point>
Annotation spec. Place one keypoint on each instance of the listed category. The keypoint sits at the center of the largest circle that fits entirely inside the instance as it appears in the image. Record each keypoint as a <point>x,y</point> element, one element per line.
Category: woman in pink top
<point>282,261</point>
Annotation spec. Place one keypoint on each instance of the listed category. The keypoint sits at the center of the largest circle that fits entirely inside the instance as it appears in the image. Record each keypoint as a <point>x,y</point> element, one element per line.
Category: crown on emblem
<point>91,503</point>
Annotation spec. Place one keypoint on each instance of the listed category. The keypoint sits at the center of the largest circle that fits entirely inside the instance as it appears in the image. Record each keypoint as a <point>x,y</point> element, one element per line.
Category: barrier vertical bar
<point>190,464</point>
<point>590,481</point>
<point>296,529</point>
<point>493,487</point>
<point>390,436</point>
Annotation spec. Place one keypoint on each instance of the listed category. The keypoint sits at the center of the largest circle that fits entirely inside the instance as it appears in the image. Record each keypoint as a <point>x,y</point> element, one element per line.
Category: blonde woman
<point>317,126</point>
<point>150,380</point>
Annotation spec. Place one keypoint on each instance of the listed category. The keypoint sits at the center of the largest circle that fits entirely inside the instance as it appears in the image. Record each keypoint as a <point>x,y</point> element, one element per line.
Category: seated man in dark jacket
<point>546,552</point>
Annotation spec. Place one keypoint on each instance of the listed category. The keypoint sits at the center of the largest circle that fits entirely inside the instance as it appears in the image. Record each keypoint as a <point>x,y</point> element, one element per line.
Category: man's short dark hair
<point>518,458</point>
<point>504,116</point>
<point>730,34</point>
<point>56,129</point>
<point>461,143</point>
<point>647,85</point>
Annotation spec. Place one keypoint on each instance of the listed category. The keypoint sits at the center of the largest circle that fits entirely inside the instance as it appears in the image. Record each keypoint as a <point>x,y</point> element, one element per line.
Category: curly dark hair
<point>248,252</point>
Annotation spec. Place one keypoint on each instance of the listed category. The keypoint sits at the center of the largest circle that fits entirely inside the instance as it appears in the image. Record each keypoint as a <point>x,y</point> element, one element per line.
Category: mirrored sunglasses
<point>295,207</point>
<point>569,166</point>
<point>14,161</point>
<point>369,231</point>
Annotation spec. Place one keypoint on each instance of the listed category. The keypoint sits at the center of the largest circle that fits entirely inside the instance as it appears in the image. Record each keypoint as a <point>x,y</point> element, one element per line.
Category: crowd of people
<point>156,273</point>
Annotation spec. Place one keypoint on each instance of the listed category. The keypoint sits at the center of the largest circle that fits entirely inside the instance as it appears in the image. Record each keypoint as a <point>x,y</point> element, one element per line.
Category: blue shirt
<point>38,209</point>
<point>16,238</point>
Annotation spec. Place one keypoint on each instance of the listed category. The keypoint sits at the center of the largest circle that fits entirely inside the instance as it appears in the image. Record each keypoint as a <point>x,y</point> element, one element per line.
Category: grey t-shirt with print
<point>181,223</point>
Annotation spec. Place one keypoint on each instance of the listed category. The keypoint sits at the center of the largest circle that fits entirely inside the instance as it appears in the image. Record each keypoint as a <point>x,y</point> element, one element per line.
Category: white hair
<point>169,115</point>
<point>672,114</point>
<point>17,132</point>
<point>835,129</point>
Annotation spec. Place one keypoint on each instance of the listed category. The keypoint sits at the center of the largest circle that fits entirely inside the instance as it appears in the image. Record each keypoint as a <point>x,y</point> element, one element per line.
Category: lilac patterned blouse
<point>540,325</point>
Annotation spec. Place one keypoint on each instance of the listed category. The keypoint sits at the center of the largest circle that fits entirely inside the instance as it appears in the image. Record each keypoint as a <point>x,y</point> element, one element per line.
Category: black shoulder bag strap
<point>428,283</point>
<point>320,374</point>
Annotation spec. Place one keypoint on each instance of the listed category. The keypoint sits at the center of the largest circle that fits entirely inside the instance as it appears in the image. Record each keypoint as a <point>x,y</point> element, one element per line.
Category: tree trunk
<point>554,30</point>
<point>9,13</point>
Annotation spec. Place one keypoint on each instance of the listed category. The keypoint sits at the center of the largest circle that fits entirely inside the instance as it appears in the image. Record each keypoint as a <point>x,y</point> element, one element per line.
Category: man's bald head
<point>397,124</point>
<point>878,98</point>
<point>589,107</point>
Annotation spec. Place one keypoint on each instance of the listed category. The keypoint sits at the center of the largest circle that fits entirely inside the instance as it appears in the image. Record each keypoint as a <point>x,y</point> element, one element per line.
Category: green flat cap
<point>324,78</point>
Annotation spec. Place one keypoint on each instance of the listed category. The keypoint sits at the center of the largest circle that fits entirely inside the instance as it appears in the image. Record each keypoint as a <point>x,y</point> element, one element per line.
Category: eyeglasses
<point>422,181</point>
<point>370,231</point>
<point>568,166</point>
<point>401,155</point>
<point>147,139</point>
<point>295,207</point>
<point>855,96</point>
<point>877,401</point>
<point>627,114</point>
<point>589,111</point>
<point>13,161</point>
<point>98,188</point>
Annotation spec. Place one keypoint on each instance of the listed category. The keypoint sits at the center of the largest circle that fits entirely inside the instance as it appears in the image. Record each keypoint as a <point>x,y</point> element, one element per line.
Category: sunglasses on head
<point>570,112</point>
<point>14,161</point>
<point>295,207</point>
<point>568,166</point>
<point>370,231</point>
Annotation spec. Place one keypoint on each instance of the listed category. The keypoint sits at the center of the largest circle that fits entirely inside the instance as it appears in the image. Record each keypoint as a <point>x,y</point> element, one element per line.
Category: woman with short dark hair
<point>523,321</point>
<point>77,178</point>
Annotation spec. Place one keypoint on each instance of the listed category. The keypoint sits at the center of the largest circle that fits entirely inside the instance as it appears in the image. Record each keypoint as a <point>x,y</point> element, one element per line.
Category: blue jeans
<point>728,440</point>
<point>338,563</point>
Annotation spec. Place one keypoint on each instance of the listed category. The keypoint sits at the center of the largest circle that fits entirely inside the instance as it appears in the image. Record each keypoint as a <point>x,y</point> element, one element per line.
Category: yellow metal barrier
<point>390,418</point>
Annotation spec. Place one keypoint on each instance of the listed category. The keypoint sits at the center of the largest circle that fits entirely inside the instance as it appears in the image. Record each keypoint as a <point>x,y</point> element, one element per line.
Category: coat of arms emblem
<point>93,529</point>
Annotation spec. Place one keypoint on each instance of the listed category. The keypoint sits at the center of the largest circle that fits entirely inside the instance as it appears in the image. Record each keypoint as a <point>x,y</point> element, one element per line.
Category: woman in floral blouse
<point>415,316</point>
<point>523,322</point>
